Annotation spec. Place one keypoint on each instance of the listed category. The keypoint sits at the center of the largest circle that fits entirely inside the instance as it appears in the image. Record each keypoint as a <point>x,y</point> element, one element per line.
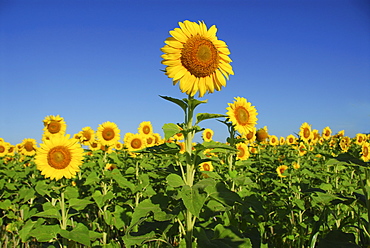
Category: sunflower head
<point>135,142</point>
<point>281,169</point>
<point>207,135</point>
<point>305,132</point>
<point>243,151</point>
<point>365,153</point>
<point>28,147</point>
<point>54,125</point>
<point>59,157</point>
<point>262,134</point>
<point>196,58</point>
<point>242,115</point>
<point>108,133</point>
<point>145,128</point>
<point>206,166</point>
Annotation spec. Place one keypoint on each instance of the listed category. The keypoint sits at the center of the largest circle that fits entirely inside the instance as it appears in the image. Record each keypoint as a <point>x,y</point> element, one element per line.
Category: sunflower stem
<point>189,168</point>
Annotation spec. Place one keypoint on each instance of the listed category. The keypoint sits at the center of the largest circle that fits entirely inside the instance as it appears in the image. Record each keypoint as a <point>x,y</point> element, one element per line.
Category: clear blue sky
<point>95,61</point>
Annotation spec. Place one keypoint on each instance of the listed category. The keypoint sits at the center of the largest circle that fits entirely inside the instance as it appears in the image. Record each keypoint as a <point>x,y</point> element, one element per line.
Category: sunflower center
<point>242,115</point>
<point>2,149</point>
<point>59,157</point>
<point>206,167</point>
<point>146,130</point>
<point>241,152</point>
<point>365,151</point>
<point>306,133</point>
<point>136,143</point>
<point>54,127</point>
<point>108,133</point>
<point>209,135</point>
<point>199,56</point>
<point>28,146</point>
<point>86,135</point>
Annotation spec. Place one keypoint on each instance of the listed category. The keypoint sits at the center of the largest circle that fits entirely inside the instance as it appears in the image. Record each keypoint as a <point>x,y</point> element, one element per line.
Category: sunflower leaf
<point>170,129</point>
<point>205,116</point>
<point>179,102</point>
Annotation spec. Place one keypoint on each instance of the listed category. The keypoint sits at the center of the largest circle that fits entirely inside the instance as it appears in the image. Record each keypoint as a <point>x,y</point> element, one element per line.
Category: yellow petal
<point>212,32</point>
<point>202,86</point>
<point>220,78</point>
<point>179,35</point>
<point>180,73</point>
<point>173,43</point>
<point>224,57</point>
<point>169,49</point>
<point>224,50</point>
<point>226,67</point>
<point>209,84</point>
<point>184,29</point>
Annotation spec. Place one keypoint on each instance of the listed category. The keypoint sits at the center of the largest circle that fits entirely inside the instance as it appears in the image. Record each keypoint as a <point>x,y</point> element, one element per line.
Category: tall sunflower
<point>86,136</point>
<point>305,132</point>
<point>54,124</point>
<point>242,115</point>
<point>326,133</point>
<point>196,58</point>
<point>59,157</point>
<point>108,133</point>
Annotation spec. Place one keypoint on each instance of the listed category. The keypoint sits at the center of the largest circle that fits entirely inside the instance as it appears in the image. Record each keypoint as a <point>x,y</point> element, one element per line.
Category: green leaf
<point>45,233</point>
<point>176,101</point>
<point>79,204</point>
<point>121,181</point>
<point>192,199</point>
<point>5,204</point>
<point>205,116</point>
<point>79,234</point>
<point>175,180</point>
<point>222,194</point>
<point>170,129</point>
<point>26,194</point>
<point>71,192</point>
<point>24,233</point>
<point>49,213</point>
<point>42,188</point>
<point>92,178</point>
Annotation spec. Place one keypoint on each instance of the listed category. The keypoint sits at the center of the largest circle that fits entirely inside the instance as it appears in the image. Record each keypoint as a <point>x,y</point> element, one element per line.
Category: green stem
<point>63,224</point>
<point>189,169</point>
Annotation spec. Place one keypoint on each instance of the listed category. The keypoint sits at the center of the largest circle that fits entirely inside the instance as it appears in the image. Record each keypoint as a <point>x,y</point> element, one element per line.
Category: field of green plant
<point>102,188</point>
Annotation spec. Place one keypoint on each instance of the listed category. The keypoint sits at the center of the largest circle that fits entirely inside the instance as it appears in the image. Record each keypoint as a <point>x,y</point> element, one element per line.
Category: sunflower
<point>4,147</point>
<point>326,133</point>
<point>291,139</point>
<point>302,149</point>
<point>196,58</point>
<point>305,132</point>
<point>345,143</point>
<point>360,138</point>
<point>135,142</point>
<point>251,136</point>
<point>28,147</point>
<point>108,133</point>
<point>86,135</point>
<point>365,154</point>
<point>281,141</point>
<point>262,134</point>
<point>242,115</point>
<point>145,128</point>
<point>243,151</point>
<point>296,165</point>
<point>54,125</point>
<point>59,157</point>
<point>207,135</point>
<point>281,169</point>
<point>273,140</point>
<point>206,166</point>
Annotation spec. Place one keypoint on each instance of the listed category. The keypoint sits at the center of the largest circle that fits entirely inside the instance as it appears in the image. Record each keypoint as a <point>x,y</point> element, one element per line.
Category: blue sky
<point>96,61</point>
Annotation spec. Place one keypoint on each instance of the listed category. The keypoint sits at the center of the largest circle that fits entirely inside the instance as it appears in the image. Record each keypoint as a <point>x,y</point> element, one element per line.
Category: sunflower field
<point>104,188</point>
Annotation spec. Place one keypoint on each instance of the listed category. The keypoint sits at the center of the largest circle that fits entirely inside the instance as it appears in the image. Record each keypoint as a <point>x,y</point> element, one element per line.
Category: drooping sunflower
<point>207,135</point>
<point>86,136</point>
<point>360,139</point>
<point>134,142</point>
<point>28,147</point>
<point>196,58</point>
<point>54,125</point>
<point>243,151</point>
<point>145,128</point>
<point>305,132</point>
<point>281,141</point>
<point>59,157</point>
<point>251,136</point>
<point>365,154</point>
<point>302,149</point>
<point>281,169</point>
<point>242,115</point>
<point>108,133</point>
<point>262,134</point>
